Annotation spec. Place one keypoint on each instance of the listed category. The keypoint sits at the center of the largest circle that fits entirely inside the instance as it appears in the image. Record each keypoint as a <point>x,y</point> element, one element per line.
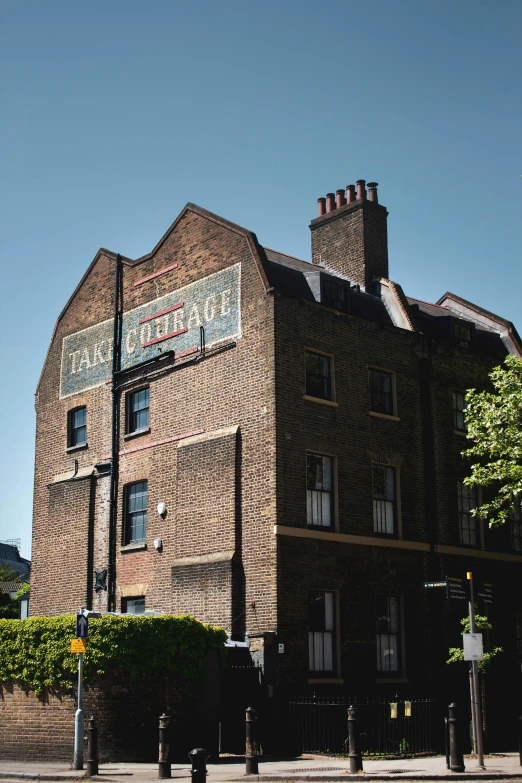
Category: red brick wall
<point>353,240</point>
<point>234,388</point>
<point>127,716</point>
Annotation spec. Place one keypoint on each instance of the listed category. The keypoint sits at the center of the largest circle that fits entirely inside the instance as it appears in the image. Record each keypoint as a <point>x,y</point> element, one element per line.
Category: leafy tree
<point>481,624</point>
<point>7,574</point>
<point>494,422</point>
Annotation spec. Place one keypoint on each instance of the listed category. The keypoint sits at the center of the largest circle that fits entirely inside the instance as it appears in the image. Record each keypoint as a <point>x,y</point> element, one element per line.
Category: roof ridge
<point>280,253</point>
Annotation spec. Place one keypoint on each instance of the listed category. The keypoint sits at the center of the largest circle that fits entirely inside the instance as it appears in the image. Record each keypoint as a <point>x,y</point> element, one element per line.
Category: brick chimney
<point>350,235</point>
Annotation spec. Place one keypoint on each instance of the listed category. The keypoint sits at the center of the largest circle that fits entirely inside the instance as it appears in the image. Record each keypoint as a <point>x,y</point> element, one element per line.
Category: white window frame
<point>323,643</point>
<point>314,496</point>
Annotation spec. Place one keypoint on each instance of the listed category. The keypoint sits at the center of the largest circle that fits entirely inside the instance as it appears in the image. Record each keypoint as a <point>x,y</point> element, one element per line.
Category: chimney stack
<point>350,233</point>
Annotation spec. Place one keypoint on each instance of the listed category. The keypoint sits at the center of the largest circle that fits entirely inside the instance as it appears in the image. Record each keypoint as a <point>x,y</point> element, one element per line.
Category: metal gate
<point>397,728</point>
<point>241,687</point>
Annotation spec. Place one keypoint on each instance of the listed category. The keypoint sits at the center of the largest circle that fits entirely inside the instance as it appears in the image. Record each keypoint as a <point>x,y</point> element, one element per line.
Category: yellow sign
<point>79,645</point>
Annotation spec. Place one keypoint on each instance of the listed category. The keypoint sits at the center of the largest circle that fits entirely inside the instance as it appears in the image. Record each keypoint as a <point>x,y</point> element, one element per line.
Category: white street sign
<point>473,649</point>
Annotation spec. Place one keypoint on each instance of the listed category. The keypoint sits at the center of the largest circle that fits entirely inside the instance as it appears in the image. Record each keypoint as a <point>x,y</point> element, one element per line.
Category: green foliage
<point>494,422</point>
<point>481,624</point>
<point>36,652</point>
<point>7,574</point>
<point>25,588</point>
<point>9,607</point>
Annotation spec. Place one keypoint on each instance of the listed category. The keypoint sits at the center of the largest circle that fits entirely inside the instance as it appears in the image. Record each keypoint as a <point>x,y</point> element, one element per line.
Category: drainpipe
<point>116,354</point>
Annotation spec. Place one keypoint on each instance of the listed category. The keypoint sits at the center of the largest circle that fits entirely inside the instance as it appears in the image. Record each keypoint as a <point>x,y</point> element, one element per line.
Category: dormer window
<point>335,294</point>
<point>462,334</point>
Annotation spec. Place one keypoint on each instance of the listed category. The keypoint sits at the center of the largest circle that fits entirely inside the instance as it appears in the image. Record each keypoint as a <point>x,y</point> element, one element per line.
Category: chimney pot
<point>372,195</point>
<point>361,190</point>
<point>330,202</point>
<point>350,194</point>
<point>321,206</point>
<point>340,199</point>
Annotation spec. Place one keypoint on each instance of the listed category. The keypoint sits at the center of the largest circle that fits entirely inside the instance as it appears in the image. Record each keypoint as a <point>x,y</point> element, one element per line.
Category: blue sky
<point>116,114</point>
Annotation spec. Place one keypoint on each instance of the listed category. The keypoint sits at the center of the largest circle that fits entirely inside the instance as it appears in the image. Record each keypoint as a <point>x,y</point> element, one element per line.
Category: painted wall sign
<point>171,322</point>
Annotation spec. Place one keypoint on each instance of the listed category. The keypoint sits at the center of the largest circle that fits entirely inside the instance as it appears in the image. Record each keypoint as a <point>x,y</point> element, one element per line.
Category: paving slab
<point>229,770</point>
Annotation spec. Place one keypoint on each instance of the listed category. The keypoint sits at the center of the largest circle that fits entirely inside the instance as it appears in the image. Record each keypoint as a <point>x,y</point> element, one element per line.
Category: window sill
<point>462,433</point>
<point>324,528</point>
<point>320,400</point>
<point>136,434</point>
<point>326,680</point>
<point>79,447</point>
<point>393,536</point>
<point>391,679</point>
<point>136,547</point>
<point>384,416</point>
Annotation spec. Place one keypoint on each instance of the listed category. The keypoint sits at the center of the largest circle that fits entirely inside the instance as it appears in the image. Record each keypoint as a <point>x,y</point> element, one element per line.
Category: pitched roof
<point>10,587</point>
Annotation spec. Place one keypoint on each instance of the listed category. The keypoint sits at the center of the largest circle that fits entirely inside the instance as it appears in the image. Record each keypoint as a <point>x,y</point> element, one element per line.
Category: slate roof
<point>292,277</point>
<point>435,321</point>
<point>439,311</point>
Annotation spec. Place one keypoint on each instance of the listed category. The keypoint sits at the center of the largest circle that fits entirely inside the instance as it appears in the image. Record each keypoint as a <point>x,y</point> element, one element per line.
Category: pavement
<point>227,770</point>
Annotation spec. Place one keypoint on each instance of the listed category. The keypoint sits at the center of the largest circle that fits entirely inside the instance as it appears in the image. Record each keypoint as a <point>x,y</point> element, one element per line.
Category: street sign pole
<point>78,719</point>
<point>475,694</point>
<point>82,630</point>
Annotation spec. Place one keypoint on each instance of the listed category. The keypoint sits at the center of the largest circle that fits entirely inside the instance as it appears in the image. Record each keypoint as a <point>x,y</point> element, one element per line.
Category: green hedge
<point>36,652</point>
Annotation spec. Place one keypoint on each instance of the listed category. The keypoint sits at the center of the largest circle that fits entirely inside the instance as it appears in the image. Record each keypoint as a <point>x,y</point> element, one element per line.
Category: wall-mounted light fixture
<point>162,509</point>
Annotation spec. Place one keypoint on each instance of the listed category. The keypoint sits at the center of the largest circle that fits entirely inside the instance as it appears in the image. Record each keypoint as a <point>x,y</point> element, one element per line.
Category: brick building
<point>285,439</point>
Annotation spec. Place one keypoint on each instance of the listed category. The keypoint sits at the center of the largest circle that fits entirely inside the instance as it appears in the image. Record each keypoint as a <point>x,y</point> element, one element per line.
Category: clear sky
<point>115,114</point>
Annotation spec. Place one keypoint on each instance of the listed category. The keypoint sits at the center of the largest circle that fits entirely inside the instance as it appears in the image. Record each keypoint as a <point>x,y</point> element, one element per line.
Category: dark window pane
<point>384,505</point>
<point>335,295</point>
<point>388,633</point>
<point>462,335</point>
<point>318,382</point>
<point>321,631</point>
<point>459,421</point>
<point>516,528</point>
<point>466,498</point>
<point>78,427</point>
<point>319,490</point>
<point>136,521</point>
<point>381,394</point>
<point>139,410</point>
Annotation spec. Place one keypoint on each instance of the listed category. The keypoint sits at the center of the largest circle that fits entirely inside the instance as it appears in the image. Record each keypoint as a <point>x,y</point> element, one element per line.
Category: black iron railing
<point>387,728</point>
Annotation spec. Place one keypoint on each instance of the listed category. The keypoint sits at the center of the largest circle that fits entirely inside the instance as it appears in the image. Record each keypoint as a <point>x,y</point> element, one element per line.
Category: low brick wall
<point>34,728</point>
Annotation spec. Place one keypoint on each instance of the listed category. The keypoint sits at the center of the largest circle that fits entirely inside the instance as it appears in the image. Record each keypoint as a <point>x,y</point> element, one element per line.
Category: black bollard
<point>354,745</point>
<point>198,757</point>
<point>92,747</point>
<point>456,755</point>
<point>520,739</point>
<point>251,743</point>
<point>164,747</point>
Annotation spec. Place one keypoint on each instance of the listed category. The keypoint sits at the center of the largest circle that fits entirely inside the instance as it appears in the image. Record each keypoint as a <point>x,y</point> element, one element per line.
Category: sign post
<point>475,691</point>
<point>79,645</point>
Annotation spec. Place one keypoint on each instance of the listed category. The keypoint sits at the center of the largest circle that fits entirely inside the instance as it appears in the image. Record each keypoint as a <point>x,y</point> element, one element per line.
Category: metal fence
<point>387,728</point>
